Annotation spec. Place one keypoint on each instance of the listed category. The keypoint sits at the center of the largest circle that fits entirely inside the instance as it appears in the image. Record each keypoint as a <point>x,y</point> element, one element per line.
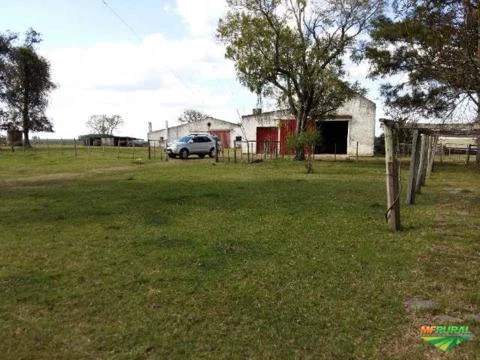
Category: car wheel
<point>183,154</point>
<point>212,152</point>
<point>171,156</point>
<point>201,156</point>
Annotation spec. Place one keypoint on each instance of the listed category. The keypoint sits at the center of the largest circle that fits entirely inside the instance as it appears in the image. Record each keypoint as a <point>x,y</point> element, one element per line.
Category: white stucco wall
<point>175,132</point>
<point>359,111</point>
<point>361,127</point>
<point>251,122</point>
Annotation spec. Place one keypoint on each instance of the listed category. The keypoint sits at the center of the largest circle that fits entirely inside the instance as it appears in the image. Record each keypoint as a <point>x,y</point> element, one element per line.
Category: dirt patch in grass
<point>63,176</point>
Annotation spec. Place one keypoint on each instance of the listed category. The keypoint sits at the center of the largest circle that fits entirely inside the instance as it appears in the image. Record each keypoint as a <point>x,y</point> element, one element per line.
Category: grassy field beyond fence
<point>105,258</point>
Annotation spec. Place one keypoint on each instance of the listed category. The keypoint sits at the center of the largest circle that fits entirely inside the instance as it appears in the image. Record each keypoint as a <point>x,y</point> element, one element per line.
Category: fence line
<point>66,148</point>
<point>462,154</point>
<point>445,153</point>
<point>242,151</point>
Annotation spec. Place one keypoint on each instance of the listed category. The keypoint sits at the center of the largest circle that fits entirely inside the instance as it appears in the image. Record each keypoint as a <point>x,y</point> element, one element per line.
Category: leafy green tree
<point>104,124</point>
<point>306,140</point>
<point>293,50</point>
<point>436,44</point>
<point>5,44</point>
<point>192,116</point>
<point>24,85</point>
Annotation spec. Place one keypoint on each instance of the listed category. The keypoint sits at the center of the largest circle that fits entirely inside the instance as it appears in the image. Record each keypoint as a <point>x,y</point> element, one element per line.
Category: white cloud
<point>201,16</point>
<point>154,80</point>
<point>167,8</point>
<point>150,81</point>
<point>127,65</point>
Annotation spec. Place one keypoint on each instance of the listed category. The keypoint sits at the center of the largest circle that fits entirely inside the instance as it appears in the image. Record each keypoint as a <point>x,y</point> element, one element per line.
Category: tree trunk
<point>26,139</point>
<point>26,129</point>
<point>300,128</point>
<point>300,153</point>
<point>26,122</point>
<point>477,158</point>
<point>477,120</point>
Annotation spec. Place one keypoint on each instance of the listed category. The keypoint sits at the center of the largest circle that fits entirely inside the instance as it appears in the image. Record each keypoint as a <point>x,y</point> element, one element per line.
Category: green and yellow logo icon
<point>445,337</point>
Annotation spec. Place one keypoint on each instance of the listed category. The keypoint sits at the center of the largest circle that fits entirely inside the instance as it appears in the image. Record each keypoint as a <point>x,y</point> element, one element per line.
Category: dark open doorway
<point>334,137</point>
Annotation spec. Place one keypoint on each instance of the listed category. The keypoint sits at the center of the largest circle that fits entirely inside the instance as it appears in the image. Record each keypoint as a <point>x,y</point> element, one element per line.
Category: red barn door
<point>223,137</point>
<point>287,128</point>
<point>266,136</point>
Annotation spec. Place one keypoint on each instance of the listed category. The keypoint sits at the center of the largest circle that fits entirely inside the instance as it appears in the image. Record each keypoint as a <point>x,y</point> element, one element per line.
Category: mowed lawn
<point>101,258</point>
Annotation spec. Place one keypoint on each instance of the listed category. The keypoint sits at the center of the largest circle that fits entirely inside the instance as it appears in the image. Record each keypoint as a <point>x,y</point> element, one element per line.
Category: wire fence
<point>463,155</point>
<point>242,151</point>
<point>448,154</point>
<point>75,149</point>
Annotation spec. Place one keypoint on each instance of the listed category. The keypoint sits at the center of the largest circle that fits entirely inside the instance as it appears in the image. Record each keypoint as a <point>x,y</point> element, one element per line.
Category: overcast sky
<point>165,59</point>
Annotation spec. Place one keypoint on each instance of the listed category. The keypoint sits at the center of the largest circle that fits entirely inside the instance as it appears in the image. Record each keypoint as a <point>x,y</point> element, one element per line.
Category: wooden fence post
<point>149,151</point>
<point>425,161</point>
<point>441,153</point>
<point>234,151</point>
<point>468,154</point>
<point>414,161</point>
<point>75,147</point>
<point>433,150</point>
<point>418,184</point>
<point>356,154</point>
<point>418,180</point>
<point>391,164</point>
<point>431,155</point>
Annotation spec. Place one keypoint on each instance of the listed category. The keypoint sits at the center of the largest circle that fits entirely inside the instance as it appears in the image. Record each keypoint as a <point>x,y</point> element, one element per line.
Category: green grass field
<point>101,258</point>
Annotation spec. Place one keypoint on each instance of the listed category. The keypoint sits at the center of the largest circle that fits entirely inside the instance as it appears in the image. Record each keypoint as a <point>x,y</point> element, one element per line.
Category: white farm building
<point>353,125</point>
<point>225,130</point>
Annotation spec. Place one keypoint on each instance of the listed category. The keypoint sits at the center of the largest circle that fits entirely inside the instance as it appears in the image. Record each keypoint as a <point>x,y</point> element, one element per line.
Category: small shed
<point>14,137</point>
<point>226,131</point>
<point>107,140</point>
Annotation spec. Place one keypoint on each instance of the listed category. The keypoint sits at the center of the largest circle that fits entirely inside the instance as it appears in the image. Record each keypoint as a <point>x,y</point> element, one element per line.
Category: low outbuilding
<point>226,131</point>
<point>350,129</point>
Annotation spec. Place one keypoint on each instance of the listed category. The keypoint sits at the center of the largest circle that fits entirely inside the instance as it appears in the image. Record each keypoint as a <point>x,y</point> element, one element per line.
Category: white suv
<point>194,144</point>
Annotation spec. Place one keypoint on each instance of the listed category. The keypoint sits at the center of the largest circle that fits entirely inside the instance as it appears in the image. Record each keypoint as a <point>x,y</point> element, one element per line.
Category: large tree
<point>293,50</point>
<point>104,124</point>
<point>192,116</point>
<point>434,48</point>
<point>24,85</point>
